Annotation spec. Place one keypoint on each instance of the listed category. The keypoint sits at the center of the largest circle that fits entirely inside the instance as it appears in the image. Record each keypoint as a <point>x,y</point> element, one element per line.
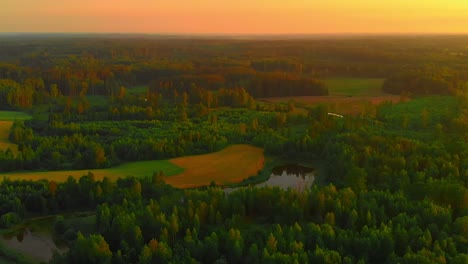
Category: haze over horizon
<point>234,18</point>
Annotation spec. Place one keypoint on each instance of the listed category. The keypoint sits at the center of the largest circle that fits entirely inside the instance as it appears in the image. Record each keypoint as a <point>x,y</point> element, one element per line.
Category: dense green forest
<point>392,184</point>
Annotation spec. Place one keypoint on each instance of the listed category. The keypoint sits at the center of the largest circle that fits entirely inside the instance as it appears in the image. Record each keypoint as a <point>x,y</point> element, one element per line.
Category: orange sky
<point>235,16</point>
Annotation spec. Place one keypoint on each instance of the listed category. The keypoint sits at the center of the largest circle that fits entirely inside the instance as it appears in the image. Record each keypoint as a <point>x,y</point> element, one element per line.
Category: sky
<point>235,16</point>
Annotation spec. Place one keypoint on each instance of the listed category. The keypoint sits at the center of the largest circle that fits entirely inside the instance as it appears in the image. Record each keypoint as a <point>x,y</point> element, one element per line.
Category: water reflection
<point>287,176</point>
<point>38,246</point>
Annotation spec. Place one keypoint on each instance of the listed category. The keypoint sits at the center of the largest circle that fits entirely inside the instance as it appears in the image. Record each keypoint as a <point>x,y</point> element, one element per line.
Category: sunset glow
<point>235,17</point>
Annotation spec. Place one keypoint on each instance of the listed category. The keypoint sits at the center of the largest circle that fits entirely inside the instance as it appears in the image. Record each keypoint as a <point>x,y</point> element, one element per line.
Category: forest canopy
<point>389,177</point>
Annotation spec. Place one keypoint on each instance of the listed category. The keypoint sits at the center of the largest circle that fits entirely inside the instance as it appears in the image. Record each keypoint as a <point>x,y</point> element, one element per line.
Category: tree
<point>271,244</point>
<point>174,226</point>
<point>291,106</point>
<point>100,156</point>
<point>52,188</point>
<point>145,255</point>
<point>424,118</point>
<point>92,249</point>
<point>211,248</point>
<point>54,91</point>
<point>84,89</point>
<point>356,178</point>
<point>330,218</point>
<point>163,253</point>
<point>59,225</point>
<point>122,92</point>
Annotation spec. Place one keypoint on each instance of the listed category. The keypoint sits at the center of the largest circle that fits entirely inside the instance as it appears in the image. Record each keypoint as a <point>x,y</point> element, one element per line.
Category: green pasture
<point>354,86</point>
<point>13,115</point>
<point>6,121</point>
<point>141,89</point>
<point>137,169</point>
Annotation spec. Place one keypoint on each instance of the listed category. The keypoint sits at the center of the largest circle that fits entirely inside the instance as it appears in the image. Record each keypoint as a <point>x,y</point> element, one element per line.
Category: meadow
<point>354,86</point>
<point>5,143</point>
<point>183,172</point>
<point>347,96</point>
<point>13,115</point>
<point>6,121</point>
<point>137,169</point>
<point>230,165</point>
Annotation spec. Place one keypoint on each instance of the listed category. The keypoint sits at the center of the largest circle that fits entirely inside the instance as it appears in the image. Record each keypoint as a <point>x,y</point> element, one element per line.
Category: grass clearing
<point>230,165</point>
<point>348,96</point>
<point>137,169</point>
<point>354,86</point>
<point>99,100</point>
<point>338,104</point>
<point>5,143</point>
<point>85,224</point>
<point>136,90</point>
<point>13,115</point>
<point>6,121</point>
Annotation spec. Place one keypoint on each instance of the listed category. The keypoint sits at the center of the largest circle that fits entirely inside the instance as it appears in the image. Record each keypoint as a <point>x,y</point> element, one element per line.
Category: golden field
<point>4,133</point>
<point>230,165</point>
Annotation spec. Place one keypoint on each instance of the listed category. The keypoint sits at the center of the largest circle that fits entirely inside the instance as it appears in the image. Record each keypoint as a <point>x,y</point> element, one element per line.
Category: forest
<point>391,176</point>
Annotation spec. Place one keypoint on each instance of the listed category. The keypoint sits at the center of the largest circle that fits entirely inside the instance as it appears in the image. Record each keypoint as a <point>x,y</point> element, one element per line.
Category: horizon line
<point>238,36</point>
<point>224,33</point>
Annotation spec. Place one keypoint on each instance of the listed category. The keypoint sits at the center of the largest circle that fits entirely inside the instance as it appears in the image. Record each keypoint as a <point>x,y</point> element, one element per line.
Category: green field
<point>140,89</point>
<point>6,121</point>
<point>137,169</point>
<point>5,143</point>
<point>354,86</point>
<point>13,115</point>
<point>347,96</point>
<point>186,172</point>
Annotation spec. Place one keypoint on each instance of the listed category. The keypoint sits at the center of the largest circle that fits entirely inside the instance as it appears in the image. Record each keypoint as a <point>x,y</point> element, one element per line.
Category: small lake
<point>292,176</point>
<point>37,246</point>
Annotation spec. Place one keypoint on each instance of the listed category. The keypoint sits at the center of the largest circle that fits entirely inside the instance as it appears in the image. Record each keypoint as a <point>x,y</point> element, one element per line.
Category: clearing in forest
<point>338,104</point>
<point>348,96</point>
<point>13,115</point>
<point>230,165</point>
<point>5,143</point>
<point>6,121</point>
<point>354,86</point>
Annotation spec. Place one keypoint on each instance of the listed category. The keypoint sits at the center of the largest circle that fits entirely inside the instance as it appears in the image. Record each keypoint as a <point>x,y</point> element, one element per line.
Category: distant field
<point>348,96</point>
<point>230,165</point>
<point>137,169</point>
<point>5,143</point>
<point>13,115</point>
<point>354,86</point>
<point>6,121</point>
<point>140,89</point>
<point>338,104</point>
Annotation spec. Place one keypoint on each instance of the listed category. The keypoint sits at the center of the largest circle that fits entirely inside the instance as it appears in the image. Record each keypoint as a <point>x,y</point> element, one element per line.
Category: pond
<point>287,176</point>
<point>37,246</point>
<point>292,169</point>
